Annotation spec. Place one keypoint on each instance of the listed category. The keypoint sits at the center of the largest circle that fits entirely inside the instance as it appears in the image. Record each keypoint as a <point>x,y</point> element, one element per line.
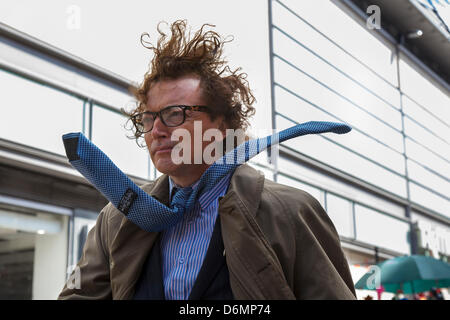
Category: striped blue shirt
<point>184,246</point>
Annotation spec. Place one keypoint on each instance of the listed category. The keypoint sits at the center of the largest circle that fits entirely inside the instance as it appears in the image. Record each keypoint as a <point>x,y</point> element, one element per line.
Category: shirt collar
<point>172,185</point>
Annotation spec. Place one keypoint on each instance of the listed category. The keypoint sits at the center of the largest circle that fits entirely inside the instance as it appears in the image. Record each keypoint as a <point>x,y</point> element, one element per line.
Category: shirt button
<point>181,260</point>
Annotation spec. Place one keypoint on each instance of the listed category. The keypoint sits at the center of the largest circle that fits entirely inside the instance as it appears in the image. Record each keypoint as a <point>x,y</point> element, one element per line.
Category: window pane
<point>430,200</point>
<point>35,115</point>
<point>81,227</point>
<point>318,95</point>
<point>427,158</point>
<point>298,110</point>
<point>424,92</point>
<point>316,193</point>
<point>425,118</point>
<point>427,178</point>
<point>425,138</point>
<point>380,230</point>
<point>327,182</point>
<point>109,134</point>
<point>33,255</point>
<point>325,16</point>
<point>340,212</point>
<point>333,80</point>
<point>317,147</point>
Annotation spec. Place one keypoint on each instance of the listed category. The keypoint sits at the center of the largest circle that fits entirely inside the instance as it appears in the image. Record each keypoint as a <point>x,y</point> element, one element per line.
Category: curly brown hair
<point>227,92</point>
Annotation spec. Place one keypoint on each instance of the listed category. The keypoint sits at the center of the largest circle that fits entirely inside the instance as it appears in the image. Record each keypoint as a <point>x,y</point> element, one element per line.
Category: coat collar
<point>255,271</point>
<point>246,184</point>
<point>159,189</point>
<point>245,190</point>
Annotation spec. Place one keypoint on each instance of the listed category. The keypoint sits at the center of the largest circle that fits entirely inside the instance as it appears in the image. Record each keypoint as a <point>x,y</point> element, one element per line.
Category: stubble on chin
<point>165,165</point>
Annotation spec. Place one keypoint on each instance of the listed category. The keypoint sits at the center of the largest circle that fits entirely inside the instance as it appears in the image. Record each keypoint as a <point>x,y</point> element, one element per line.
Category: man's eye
<point>174,113</point>
<point>146,119</point>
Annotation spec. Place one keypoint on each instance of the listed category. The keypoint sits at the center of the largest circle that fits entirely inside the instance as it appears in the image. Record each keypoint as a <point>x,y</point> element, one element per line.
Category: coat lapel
<point>131,246</point>
<point>255,271</point>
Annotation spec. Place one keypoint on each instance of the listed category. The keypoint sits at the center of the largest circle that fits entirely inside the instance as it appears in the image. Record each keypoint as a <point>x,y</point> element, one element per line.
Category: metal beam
<point>63,56</point>
<point>436,50</point>
<point>354,181</point>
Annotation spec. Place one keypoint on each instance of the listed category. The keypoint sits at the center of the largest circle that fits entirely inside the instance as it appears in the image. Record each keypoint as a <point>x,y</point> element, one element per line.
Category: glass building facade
<point>44,216</point>
<point>397,154</point>
<point>385,185</point>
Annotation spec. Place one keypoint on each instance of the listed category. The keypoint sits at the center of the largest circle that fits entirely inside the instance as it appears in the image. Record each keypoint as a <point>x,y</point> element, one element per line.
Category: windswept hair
<point>226,91</point>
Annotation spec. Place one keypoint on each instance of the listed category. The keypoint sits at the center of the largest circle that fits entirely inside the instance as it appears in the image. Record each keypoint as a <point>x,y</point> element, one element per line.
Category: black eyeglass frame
<point>158,114</point>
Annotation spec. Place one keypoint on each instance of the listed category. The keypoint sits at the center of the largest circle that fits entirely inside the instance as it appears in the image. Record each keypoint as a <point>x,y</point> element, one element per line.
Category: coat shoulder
<point>285,191</point>
<point>291,199</point>
<point>294,218</point>
<point>296,207</point>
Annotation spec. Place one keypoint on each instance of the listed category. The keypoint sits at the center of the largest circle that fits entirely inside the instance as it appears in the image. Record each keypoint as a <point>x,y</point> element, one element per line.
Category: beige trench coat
<point>279,244</point>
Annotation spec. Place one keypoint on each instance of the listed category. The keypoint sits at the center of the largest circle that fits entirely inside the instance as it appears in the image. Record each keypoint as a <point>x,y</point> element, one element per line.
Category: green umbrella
<point>412,274</point>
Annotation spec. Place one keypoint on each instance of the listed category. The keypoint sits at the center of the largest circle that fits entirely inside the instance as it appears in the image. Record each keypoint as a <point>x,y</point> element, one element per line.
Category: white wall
<point>108,33</point>
<point>50,263</point>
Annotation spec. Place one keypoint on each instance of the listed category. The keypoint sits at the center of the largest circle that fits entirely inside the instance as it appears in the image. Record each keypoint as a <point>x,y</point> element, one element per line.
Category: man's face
<point>181,91</point>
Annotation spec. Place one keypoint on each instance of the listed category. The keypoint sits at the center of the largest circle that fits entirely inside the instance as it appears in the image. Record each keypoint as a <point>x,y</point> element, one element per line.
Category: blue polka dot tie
<point>144,210</point>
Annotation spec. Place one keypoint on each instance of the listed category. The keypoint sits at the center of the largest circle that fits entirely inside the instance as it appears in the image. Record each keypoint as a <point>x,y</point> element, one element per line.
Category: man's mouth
<point>163,149</point>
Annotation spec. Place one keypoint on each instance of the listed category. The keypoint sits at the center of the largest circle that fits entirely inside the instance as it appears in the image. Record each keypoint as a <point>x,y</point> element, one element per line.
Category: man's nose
<point>159,129</point>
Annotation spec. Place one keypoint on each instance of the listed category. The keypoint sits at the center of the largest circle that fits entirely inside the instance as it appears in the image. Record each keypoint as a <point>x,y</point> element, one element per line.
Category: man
<point>246,238</point>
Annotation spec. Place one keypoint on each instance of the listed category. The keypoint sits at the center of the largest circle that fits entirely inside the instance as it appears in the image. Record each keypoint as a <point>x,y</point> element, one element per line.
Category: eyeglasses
<point>171,116</point>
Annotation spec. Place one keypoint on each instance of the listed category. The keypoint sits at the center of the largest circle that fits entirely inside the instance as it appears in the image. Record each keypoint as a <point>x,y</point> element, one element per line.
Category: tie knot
<point>180,196</point>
